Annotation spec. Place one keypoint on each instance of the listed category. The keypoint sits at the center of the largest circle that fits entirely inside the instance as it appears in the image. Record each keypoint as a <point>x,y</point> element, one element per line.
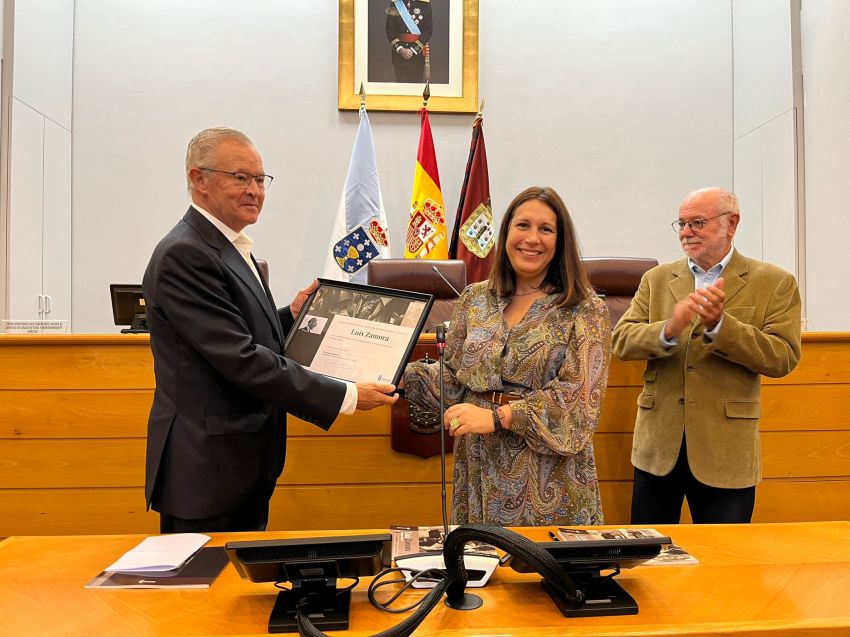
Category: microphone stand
<point>466,601</point>
<point>441,349</point>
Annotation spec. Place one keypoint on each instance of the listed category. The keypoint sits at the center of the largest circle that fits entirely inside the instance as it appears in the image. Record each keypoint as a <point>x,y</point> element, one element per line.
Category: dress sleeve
<point>561,418</point>
<point>422,380</point>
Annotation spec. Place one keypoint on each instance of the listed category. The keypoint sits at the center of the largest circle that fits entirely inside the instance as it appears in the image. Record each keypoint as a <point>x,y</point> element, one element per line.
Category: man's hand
<point>301,298</point>
<point>371,395</point>
<point>708,304</point>
<point>406,53</point>
<point>683,314</point>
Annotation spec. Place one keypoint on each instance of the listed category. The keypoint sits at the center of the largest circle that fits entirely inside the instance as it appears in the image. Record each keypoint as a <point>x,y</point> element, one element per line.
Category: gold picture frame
<point>458,95</point>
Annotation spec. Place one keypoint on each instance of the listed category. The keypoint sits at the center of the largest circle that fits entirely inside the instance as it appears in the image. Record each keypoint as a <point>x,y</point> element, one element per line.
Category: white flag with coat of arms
<point>360,231</point>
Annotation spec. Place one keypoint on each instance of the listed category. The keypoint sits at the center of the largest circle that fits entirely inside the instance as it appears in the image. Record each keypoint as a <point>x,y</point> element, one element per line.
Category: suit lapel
<point>234,261</point>
<point>270,298</point>
<point>735,276</point>
<point>682,282</point>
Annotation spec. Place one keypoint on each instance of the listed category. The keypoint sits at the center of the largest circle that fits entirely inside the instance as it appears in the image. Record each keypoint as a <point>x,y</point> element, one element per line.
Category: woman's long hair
<point>565,275</point>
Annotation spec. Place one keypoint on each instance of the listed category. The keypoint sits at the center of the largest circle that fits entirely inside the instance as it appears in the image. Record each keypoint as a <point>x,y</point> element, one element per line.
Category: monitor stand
<point>602,596</point>
<point>328,609</point>
<point>139,325</point>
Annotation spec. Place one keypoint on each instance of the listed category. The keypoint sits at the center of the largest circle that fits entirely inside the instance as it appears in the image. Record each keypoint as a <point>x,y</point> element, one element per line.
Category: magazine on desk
<point>199,571</point>
<point>670,553</point>
<point>412,540</point>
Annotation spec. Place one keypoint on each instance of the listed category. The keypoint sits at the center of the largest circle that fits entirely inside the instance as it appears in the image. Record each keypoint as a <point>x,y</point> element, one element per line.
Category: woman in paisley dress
<point>526,366</point>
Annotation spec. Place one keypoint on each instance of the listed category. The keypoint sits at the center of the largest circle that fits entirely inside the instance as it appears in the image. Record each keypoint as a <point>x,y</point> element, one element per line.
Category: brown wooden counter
<point>73,413</point>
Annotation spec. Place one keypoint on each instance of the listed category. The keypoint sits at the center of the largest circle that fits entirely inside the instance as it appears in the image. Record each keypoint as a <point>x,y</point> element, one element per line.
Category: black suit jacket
<point>217,427</point>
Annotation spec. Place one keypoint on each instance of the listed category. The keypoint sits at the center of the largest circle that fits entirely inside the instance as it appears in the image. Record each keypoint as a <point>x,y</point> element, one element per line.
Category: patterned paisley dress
<point>541,471</point>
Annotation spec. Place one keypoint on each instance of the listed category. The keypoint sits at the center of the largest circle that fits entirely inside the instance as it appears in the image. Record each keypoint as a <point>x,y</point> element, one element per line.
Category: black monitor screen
<point>128,305</point>
<point>597,555</point>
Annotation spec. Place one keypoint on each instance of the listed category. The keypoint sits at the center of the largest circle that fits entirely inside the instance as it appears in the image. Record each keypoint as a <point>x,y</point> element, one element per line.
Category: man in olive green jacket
<point>708,327</point>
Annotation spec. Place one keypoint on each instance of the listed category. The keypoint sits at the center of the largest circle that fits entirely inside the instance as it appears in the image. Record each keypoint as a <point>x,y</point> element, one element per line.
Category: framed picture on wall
<point>393,47</point>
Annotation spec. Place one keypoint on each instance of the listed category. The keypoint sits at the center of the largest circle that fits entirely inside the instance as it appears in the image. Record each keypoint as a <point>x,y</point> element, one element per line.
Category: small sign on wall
<point>35,327</point>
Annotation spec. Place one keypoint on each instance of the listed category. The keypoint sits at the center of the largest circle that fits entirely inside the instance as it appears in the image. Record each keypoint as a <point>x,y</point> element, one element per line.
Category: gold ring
<point>454,423</point>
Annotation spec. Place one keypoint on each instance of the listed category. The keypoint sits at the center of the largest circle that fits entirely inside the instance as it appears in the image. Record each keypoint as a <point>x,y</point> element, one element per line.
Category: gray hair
<point>725,201</point>
<point>202,147</point>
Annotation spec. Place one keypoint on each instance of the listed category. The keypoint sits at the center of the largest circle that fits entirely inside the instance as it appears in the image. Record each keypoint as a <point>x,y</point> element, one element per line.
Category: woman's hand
<point>465,419</point>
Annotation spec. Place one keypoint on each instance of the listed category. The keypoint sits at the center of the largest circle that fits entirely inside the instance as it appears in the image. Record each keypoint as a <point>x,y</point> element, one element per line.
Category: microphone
<point>441,350</point>
<point>440,331</point>
<point>440,274</point>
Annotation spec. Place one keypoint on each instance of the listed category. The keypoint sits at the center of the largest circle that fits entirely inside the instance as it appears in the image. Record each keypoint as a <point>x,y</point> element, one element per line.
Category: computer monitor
<point>128,307</point>
<point>584,562</point>
<point>312,566</point>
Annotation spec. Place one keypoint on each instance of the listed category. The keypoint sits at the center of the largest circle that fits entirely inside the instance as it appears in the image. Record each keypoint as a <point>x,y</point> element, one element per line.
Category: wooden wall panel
<point>805,407</point>
<point>806,454</point>
<point>71,362</point>
<point>75,512</point>
<point>619,408</point>
<point>103,511</point>
<point>67,464</point>
<point>73,413</point>
<point>824,360</point>
<point>802,500</point>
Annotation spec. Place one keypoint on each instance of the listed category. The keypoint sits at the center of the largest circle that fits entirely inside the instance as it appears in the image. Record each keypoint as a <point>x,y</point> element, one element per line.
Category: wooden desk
<point>73,422</point>
<point>759,580</point>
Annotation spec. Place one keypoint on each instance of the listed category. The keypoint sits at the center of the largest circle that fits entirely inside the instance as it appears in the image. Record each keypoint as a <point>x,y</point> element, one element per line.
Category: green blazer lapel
<point>682,282</point>
<point>735,275</point>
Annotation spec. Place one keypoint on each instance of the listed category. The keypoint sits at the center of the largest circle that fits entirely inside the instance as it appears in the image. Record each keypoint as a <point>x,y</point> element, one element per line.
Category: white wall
<point>765,114</point>
<point>39,160</point>
<point>826,52</point>
<point>622,106</point>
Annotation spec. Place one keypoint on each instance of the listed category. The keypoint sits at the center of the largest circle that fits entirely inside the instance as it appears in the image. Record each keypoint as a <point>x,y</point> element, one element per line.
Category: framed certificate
<point>359,333</point>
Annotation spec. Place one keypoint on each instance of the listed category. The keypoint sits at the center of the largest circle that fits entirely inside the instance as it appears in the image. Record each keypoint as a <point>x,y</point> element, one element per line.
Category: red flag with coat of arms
<point>474,233</point>
<point>426,230</point>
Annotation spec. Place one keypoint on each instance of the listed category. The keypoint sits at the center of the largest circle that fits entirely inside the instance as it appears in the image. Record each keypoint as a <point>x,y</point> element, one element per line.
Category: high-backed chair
<point>616,279</point>
<point>413,432</point>
<point>418,275</point>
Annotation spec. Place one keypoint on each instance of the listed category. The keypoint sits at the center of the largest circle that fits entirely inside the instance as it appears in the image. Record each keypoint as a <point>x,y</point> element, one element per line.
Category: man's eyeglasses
<point>243,180</point>
<point>697,224</point>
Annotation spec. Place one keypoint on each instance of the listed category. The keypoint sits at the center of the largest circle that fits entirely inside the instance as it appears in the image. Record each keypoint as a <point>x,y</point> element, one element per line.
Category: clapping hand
<point>708,304</point>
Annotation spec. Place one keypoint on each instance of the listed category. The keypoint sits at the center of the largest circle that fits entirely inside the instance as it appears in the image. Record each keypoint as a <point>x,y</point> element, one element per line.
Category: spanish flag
<point>426,230</point>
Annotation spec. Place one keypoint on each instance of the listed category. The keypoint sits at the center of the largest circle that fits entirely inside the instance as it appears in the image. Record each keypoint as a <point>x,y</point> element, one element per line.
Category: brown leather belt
<point>497,397</point>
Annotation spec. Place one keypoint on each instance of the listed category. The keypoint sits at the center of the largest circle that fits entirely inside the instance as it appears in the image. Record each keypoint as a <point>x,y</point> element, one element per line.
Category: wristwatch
<point>497,419</point>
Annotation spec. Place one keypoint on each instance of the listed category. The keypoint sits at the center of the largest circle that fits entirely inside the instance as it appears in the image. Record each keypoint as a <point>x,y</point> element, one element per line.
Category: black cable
<point>433,575</point>
<point>510,542</point>
<point>454,582</point>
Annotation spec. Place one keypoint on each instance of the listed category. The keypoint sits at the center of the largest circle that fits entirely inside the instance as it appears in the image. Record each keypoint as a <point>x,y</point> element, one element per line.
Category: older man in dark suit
<point>709,326</point>
<point>217,427</point>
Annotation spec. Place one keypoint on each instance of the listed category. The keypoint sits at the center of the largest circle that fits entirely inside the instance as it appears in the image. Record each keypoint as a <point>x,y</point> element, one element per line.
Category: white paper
<point>159,553</point>
<point>362,351</point>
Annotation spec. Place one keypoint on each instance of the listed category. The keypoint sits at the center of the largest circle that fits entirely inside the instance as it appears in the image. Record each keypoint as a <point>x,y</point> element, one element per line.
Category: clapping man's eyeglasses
<point>697,224</point>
